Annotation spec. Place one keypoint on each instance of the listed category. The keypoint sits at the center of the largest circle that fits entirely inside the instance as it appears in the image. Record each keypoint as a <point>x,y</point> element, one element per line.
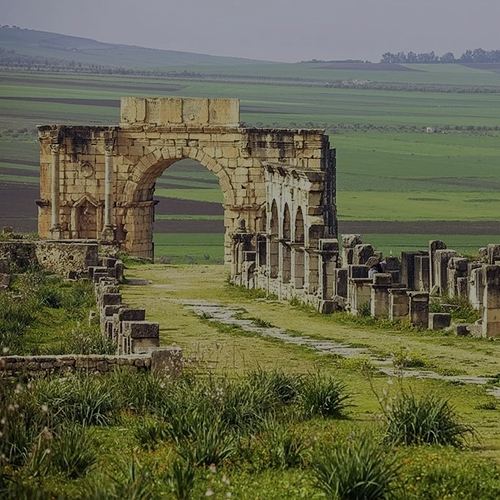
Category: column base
<point>108,234</point>
<point>55,233</point>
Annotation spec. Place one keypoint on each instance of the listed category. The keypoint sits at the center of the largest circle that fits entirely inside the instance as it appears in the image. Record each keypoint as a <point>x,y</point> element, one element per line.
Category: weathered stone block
<point>140,329</point>
<point>167,361</point>
<point>439,321</point>
<point>419,309</point>
<point>129,314</point>
<point>109,299</point>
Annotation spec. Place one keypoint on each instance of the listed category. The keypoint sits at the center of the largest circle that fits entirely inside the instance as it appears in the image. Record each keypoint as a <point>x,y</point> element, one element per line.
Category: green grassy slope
<point>83,50</point>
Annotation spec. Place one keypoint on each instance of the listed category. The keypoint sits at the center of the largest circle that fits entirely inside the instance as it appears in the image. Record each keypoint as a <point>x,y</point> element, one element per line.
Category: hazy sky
<point>280,30</point>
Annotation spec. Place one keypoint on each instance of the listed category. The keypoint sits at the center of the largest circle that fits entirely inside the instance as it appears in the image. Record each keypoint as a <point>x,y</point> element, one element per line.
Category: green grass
<point>415,206</point>
<point>181,248</point>
<point>384,173</point>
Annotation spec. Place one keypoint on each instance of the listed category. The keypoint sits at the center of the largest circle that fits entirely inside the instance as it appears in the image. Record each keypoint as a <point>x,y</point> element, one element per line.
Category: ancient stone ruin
<point>98,182</point>
<point>279,190</point>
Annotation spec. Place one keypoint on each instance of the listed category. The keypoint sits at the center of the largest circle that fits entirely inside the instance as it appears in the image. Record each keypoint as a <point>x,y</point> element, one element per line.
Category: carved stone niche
<point>86,169</point>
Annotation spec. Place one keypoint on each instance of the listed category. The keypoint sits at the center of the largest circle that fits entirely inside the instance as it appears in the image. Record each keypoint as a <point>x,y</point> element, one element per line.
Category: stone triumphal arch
<point>278,185</point>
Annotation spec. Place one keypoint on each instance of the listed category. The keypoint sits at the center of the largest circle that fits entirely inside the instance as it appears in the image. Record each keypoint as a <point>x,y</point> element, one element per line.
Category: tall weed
<point>359,469</point>
<point>427,419</point>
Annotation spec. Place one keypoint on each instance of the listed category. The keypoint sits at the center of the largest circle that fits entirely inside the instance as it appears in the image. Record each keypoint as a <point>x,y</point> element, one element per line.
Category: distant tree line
<point>469,56</point>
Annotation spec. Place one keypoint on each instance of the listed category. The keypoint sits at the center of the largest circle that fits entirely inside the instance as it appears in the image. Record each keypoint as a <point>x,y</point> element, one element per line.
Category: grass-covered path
<point>234,350</point>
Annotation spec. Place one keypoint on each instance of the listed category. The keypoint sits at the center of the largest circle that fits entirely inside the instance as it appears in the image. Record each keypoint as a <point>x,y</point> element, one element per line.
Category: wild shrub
<point>131,481</point>
<point>74,450</point>
<point>458,306</point>
<point>284,387</point>
<point>16,315</point>
<point>142,392</point>
<point>208,441</point>
<point>181,479</point>
<point>322,395</point>
<point>84,399</point>
<point>88,340</point>
<point>285,447</point>
<point>78,298</point>
<point>358,469</point>
<point>243,404</point>
<point>427,419</point>
<point>22,420</point>
<point>149,431</point>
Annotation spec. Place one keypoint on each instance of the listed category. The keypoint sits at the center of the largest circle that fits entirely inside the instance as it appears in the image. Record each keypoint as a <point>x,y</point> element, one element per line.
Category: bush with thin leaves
<point>181,479</point>
<point>428,419</point>
<point>131,481</point>
<point>322,395</point>
<point>286,448</point>
<point>283,387</point>
<point>206,441</point>
<point>22,420</point>
<point>88,400</point>
<point>150,431</point>
<point>359,469</point>
<point>74,450</point>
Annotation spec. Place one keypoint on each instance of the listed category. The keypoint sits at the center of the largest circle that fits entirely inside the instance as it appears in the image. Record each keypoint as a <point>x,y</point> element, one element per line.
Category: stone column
<point>328,254</point>
<point>55,228</point>
<point>311,270</point>
<point>422,273</point>
<point>108,231</point>
<point>359,294</point>
<point>476,288</point>
<point>457,268</point>
<point>491,301</point>
<point>433,246</point>
<point>441,259</point>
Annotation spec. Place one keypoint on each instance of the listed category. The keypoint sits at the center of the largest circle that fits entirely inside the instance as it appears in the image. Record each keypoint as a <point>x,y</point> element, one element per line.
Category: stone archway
<point>117,167</point>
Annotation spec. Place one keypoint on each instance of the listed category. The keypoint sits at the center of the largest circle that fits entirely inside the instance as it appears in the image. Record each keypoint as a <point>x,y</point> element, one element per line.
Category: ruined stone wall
<point>60,257</point>
<point>98,182</point>
<point>32,366</point>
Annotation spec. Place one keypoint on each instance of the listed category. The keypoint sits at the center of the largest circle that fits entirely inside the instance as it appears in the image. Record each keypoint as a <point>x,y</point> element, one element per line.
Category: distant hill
<point>19,46</point>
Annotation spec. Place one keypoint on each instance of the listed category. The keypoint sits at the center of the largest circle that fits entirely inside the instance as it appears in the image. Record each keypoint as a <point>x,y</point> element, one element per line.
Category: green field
<point>389,169</point>
<point>189,248</point>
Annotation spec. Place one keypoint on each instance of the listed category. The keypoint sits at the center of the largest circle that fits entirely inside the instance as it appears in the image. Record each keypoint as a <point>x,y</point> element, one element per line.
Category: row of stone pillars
<point>108,232</point>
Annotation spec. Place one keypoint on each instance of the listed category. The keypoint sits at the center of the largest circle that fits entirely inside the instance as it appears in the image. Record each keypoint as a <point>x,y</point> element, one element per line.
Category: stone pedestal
<point>457,268</point>
<point>328,256</point>
<point>399,304</point>
<point>340,282</point>
<point>422,273</point>
<point>419,309</point>
<point>349,241</point>
<point>379,304</point>
<point>476,288</point>
<point>359,294</point>
<point>438,321</point>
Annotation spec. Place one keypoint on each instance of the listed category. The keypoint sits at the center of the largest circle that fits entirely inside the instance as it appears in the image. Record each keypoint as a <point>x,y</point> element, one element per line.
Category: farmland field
<point>389,169</point>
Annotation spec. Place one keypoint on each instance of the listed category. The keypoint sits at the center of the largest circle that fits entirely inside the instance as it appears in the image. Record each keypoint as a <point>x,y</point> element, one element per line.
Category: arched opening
<point>285,246</point>
<point>188,215</point>
<point>182,200</point>
<point>274,241</point>
<point>298,253</point>
<point>86,219</point>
